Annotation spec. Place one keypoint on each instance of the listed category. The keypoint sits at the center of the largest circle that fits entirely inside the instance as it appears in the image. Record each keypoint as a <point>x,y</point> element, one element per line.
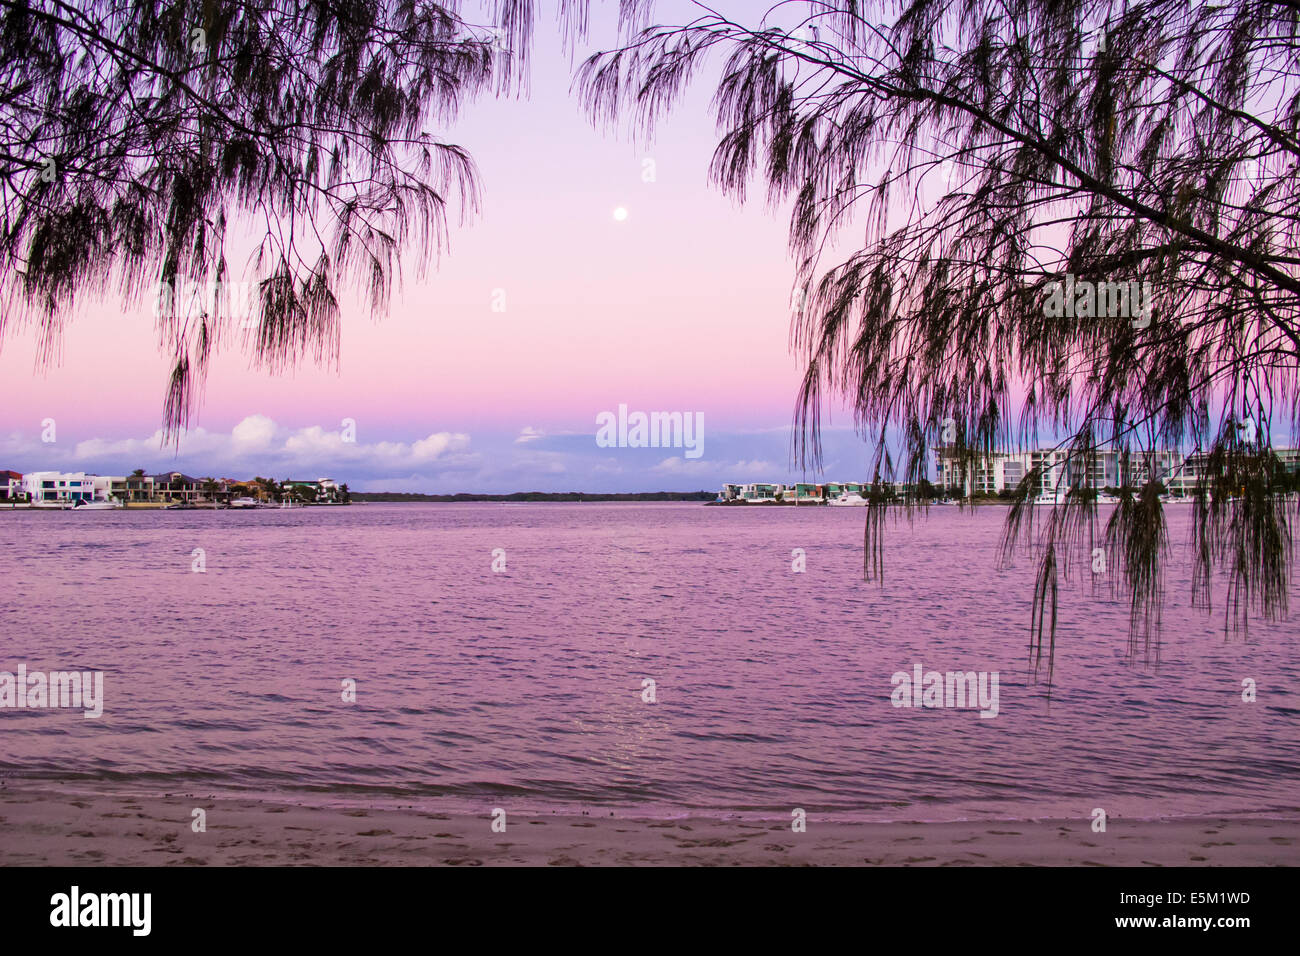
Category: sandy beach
<point>45,828</point>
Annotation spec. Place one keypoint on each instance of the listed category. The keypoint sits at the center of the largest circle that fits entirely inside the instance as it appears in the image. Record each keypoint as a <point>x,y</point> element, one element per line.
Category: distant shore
<point>398,496</point>
<point>43,828</point>
<point>169,506</point>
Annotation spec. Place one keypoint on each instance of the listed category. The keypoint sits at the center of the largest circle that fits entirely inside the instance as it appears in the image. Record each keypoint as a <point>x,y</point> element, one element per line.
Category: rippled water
<point>524,688</point>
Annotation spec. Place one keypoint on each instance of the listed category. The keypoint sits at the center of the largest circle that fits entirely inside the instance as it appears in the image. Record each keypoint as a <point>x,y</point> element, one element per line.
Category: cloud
<point>681,466</point>
<point>534,458</point>
<point>257,444</point>
<point>254,432</point>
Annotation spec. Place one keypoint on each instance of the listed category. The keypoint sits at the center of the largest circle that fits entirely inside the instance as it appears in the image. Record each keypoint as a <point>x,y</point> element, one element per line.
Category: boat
<point>245,502</point>
<point>850,500</point>
<point>109,505</point>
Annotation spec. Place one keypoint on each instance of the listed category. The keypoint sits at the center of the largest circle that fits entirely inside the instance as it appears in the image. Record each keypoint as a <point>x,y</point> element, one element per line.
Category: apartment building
<point>1104,468</point>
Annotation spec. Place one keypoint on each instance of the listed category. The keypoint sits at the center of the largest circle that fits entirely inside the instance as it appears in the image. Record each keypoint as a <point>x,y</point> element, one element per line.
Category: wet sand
<point>57,829</point>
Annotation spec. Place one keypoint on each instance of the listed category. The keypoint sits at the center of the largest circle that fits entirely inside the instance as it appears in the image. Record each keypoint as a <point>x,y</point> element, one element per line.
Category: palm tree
<point>266,488</point>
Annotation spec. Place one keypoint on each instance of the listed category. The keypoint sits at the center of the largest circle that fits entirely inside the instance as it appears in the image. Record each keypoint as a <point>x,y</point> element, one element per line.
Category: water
<point>523,689</point>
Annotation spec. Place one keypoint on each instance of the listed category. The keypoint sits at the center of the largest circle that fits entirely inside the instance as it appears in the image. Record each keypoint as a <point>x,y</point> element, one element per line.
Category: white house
<point>50,486</point>
<point>328,489</point>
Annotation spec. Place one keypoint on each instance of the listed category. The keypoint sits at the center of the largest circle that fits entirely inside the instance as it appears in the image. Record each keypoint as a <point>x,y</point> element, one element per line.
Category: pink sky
<point>682,306</point>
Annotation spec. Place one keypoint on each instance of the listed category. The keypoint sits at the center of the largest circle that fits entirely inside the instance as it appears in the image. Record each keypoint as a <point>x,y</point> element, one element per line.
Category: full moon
<point>620,214</point>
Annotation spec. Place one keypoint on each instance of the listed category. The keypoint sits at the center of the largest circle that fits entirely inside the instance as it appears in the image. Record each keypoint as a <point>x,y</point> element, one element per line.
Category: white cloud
<point>255,432</point>
<point>757,470</point>
<point>433,447</point>
<point>256,443</point>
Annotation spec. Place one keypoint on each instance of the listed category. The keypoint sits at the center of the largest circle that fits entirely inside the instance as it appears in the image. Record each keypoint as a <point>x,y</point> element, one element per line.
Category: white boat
<point>1047,498</point>
<point>245,502</point>
<point>853,500</point>
<point>96,505</point>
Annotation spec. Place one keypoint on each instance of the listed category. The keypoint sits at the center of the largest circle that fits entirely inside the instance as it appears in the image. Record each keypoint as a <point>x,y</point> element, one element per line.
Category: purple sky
<point>681,306</point>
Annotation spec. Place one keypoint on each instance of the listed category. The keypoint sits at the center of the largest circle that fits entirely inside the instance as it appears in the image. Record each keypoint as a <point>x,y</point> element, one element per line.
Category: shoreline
<point>54,828</point>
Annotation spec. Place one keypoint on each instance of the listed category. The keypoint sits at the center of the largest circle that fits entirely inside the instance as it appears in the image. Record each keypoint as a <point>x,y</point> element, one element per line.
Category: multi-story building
<point>50,486</point>
<point>177,486</point>
<point>139,487</point>
<point>11,485</point>
<point>1000,471</point>
<point>329,490</point>
<point>803,491</point>
<point>1059,471</point>
<point>1184,479</point>
<point>799,491</point>
<point>759,491</point>
<point>320,490</point>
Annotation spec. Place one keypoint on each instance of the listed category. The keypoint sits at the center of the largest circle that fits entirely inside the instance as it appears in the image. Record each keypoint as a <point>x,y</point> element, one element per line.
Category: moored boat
<point>849,499</point>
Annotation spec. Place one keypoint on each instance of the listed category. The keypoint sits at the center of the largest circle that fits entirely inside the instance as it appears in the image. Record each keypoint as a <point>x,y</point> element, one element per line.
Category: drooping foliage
<point>1070,222</point>
<point>234,164</point>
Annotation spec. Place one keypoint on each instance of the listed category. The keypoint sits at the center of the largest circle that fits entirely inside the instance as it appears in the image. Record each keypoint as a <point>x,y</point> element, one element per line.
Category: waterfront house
<point>50,486</point>
<point>11,485</point>
<point>109,487</point>
<point>242,489</point>
<point>296,489</point>
<point>802,491</point>
<point>759,492</point>
<point>176,486</point>
<point>328,490</point>
<point>139,487</point>
<point>320,490</point>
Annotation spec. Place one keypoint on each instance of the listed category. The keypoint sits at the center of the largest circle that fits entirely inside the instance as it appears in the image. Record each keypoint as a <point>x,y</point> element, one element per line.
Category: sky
<point>600,272</point>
